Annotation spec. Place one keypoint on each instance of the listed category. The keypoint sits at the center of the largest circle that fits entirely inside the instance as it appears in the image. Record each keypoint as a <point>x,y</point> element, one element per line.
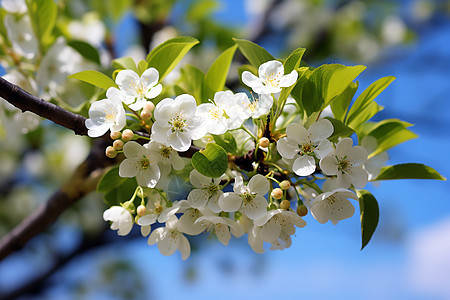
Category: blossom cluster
<point>258,204</point>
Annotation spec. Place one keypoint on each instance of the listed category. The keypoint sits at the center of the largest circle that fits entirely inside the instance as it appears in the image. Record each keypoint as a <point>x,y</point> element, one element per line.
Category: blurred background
<point>408,257</point>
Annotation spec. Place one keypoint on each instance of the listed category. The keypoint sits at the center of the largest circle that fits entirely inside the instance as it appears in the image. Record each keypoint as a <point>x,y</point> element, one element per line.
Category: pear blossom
<point>104,115</point>
<point>221,227</point>
<point>121,218</point>
<point>271,78</point>
<point>284,241</point>
<point>188,221</point>
<point>137,89</point>
<point>170,239</point>
<point>347,163</point>
<point>276,221</point>
<point>249,198</point>
<point>301,145</point>
<point>21,35</point>
<point>255,240</point>
<point>156,210</point>
<point>254,108</point>
<point>333,206</point>
<point>222,113</point>
<point>14,6</point>
<point>140,164</point>
<point>177,123</point>
<point>167,157</point>
<point>207,192</point>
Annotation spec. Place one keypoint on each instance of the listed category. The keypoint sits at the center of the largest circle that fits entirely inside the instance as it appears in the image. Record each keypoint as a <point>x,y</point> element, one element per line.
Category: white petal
<point>328,165</point>
<point>147,219</point>
<point>239,187</point>
<point>267,216</point>
<point>165,109</point>
<point>198,198</point>
<point>287,148</point>
<point>358,177</point>
<point>129,167</point>
<point>199,180</point>
<point>319,212</point>
<point>125,223</point>
<point>343,147</point>
<point>323,149</point>
<point>133,150</point>
<point>169,244</point>
<point>176,161</point>
<point>230,202</point>
<point>357,155</point>
<point>296,132</point>
<point>256,208</point>
<point>154,92</point>
<point>184,247</point>
<point>180,141</point>
<point>127,79</point>
<point>259,184</point>
<point>213,203</point>
<point>150,77</point>
<point>304,165</point>
<point>254,239</point>
<point>320,130</point>
<point>289,79</point>
<point>188,225</point>
<point>149,177</point>
<point>167,213</point>
<point>270,231</point>
<point>156,235</point>
<point>271,67</point>
<point>186,103</point>
<point>251,80</point>
<point>223,233</point>
<point>145,230</point>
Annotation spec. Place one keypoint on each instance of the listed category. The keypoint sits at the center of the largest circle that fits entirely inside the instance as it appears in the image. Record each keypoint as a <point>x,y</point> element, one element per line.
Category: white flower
<point>190,215</point>
<point>221,227</point>
<point>254,108</point>
<point>276,221</point>
<point>157,210</point>
<point>90,29</point>
<point>346,162</point>
<point>255,240</point>
<point>121,219</point>
<point>333,206</point>
<point>207,191</point>
<point>140,164</point>
<point>136,90</point>
<point>167,157</point>
<point>301,144</point>
<point>176,122</point>
<point>104,115</point>
<point>250,197</point>
<point>14,6</point>
<point>170,239</point>
<point>21,35</point>
<point>271,78</point>
<point>222,114</point>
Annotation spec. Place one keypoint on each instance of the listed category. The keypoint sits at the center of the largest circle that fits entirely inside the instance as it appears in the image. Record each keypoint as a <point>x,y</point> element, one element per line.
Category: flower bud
<point>118,145</point>
<point>264,142</point>
<point>277,193</point>
<point>115,135</point>
<point>149,106</point>
<point>302,210</point>
<point>127,135</point>
<point>285,185</point>
<point>285,204</point>
<point>110,152</point>
<point>146,115</point>
<point>141,210</point>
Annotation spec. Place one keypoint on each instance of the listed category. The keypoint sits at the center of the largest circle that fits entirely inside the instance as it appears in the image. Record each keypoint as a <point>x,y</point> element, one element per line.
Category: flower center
<point>306,148</point>
<point>272,80</point>
<point>158,209</point>
<point>216,112</point>
<point>140,88</point>
<point>165,152</point>
<point>343,164</point>
<point>178,123</point>
<point>212,189</point>
<point>248,197</point>
<point>144,162</point>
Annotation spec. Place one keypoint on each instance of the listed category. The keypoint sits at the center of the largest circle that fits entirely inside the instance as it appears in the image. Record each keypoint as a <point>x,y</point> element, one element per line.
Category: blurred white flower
<point>21,35</point>
<point>14,6</point>
<point>121,219</point>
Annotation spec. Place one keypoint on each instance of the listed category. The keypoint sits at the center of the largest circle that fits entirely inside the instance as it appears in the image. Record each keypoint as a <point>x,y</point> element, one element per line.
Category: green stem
<point>248,131</point>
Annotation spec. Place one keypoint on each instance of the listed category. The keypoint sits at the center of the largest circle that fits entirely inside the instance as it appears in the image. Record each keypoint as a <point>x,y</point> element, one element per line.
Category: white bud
<point>127,135</point>
<point>264,142</point>
<point>277,193</point>
<point>118,144</point>
<point>110,152</point>
<point>115,135</point>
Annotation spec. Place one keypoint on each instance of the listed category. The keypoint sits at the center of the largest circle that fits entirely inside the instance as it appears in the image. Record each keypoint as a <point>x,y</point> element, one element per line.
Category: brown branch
<point>27,102</point>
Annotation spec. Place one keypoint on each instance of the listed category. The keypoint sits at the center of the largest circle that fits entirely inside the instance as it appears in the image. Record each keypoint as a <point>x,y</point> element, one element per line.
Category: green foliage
<point>124,63</point>
<point>216,76</point>
<point>43,14</point>
<point>116,189</point>
<point>226,141</point>
<point>95,78</point>
<point>110,180</point>
<point>254,53</point>
<point>389,133</point>
<point>86,50</point>
<point>340,130</point>
<point>167,55</point>
<point>370,214</point>
<point>409,171</point>
<point>192,82</point>
<point>211,161</point>
<point>363,102</point>
<point>317,88</point>
<point>339,106</point>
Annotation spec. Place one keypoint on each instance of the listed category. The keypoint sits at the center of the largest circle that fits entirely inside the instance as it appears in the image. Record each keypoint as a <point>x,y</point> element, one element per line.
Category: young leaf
<point>95,78</point>
<point>43,14</point>
<point>226,141</point>
<point>110,180</point>
<point>121,193</point>
<point>368,207</point>
<point>86,50</point>
<point>254,53</point>
<point>167,55</point>
<point>217,74</point>
<point>141,67</point>
<point>211,161</point>
<point>409,171</point>
<point>124,63</point>
<point>340,130</point>
<point>368,96</point>
<point>368,112</point>
<point>192,82</point>
<point>339,106</point>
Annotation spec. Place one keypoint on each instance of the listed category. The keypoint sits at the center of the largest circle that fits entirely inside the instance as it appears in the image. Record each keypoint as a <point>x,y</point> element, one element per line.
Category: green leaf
<point>200,10</point>
<point>254,53</point>
<point>142,66</point>
<point>124,63</point>
<point>369,111</point>
<point>320,86</point>
<point>340,105</point>
<point>390,133</point>
<point>217,74</point>
<point>167,55</point>
<point>226,141</point>
<point>95,78</point>
<point>409,171</point>
<point>86,50</point>
<point>340,130</point>
<point>43,14</point>
<point>211,161</point>
<point>366,97</point>
<point>110,180</point>
<point>370,214</point>
<point>121,193</point>
<point>192,82</point>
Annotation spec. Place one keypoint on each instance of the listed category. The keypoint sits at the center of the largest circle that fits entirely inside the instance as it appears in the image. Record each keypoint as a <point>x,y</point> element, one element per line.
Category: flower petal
<point>304,165</point>
<point>289,79</point>
<point>270,231</point>
<point>251,80</point>
<point>129,167</point>
<point>184,247</point>
<point>198,198</point>
<point>223,233</point>
<point>259,184</point>
<point>320,130</point>
<point>230,202</point>
<point>256,208</point>
<point>328,165</point>
<point>169,244</point>
<point>150,77</point>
